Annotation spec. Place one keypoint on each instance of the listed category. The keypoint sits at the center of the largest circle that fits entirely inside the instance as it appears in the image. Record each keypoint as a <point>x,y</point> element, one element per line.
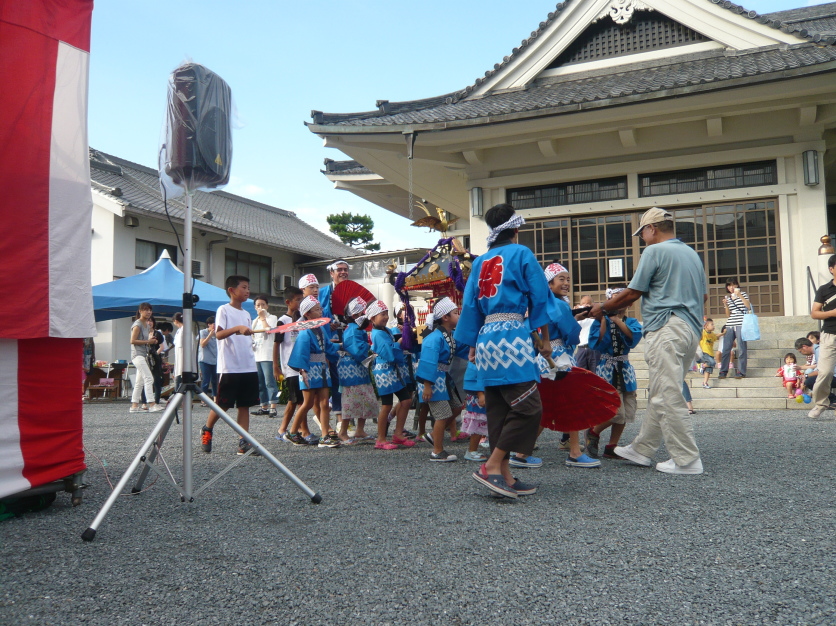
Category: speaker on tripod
<point>197,152</point>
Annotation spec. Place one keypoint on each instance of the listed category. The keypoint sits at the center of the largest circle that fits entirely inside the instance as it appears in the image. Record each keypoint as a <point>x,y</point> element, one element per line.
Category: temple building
<point>609,107</point>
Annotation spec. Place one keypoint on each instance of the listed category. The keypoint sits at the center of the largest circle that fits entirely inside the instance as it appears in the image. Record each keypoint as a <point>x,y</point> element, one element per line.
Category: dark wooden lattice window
<point>707,179</point>
<point>568,193</point>
<point>648,30</point>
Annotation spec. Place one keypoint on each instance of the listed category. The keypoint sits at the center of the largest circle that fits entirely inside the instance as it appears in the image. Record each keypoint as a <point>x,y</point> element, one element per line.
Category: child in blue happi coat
<point>438,389</point>
<point>475,421</point>
<point>614,337</point>
<point>564,333</point>
<point>359,401</point>
<point>311,353</point>
<point>388,378</point>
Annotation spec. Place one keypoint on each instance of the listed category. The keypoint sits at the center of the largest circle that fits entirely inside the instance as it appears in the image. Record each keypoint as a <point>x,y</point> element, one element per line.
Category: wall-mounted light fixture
<point>476,209</point>
<point>810,159</point>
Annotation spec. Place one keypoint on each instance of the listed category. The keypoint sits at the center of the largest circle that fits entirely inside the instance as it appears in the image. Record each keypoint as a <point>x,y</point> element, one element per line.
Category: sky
<point>284,58</point>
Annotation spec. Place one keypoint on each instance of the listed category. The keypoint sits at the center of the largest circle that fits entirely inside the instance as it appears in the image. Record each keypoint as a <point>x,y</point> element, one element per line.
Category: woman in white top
<point>737,304</point>
<point>141,341</point>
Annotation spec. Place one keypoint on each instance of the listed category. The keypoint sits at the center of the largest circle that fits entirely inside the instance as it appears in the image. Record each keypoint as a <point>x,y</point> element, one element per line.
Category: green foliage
<point>354,230</point>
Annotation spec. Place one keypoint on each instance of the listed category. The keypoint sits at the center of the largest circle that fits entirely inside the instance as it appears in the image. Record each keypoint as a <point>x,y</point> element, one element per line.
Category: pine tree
<point>354,230</point>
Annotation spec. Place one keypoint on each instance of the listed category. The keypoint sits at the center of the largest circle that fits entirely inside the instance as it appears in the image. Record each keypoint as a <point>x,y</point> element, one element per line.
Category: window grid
<point>256,267</point>
<point>707,179</point>
<point>735,240</point>
<point>568,193</point>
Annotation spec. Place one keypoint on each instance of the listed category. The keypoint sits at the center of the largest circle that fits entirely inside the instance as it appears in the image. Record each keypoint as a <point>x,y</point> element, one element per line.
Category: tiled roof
<point>138,187</point>
<point>683,74</point>
<point>713,69</point>
<point>345,168</point>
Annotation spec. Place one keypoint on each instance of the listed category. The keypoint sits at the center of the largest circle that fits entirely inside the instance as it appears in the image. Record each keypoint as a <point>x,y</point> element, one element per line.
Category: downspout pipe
<point>209,259</point>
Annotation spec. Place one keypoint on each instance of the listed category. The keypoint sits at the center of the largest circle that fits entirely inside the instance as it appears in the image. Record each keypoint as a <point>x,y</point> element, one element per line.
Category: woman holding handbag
<point>736,303</point>
<point>142,341</point>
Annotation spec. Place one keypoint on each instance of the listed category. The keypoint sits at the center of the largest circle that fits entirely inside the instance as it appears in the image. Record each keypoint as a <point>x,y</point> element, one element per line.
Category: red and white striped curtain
<point>46,303</point>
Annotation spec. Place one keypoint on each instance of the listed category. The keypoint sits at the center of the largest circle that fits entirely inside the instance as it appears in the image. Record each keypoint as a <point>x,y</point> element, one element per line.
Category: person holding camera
<point>737,304</point>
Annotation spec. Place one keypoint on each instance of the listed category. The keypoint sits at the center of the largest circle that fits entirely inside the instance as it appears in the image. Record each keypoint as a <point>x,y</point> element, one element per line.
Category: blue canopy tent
<point>161,285</point>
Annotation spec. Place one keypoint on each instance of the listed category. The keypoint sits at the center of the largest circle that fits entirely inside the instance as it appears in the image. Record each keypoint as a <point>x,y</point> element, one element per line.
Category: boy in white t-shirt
<point>238,383</point>
<point>281,354</point>
<point>268,390</point>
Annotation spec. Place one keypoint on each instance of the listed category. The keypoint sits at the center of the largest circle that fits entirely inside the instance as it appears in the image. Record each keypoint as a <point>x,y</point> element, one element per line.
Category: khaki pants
<point>827,361</point>
<point>669,352</point>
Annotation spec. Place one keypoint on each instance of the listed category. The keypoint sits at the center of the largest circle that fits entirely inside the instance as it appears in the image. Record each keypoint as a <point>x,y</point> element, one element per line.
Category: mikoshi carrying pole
<point>202,94</point>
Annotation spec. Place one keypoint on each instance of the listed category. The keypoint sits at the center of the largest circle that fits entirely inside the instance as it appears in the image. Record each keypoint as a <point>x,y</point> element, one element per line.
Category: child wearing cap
<point>309,284</point>
<point>359,401</point>
<point>614,337</point>
<point>310,356</point>
<point>438,388</point>
<point>564,334</point>
<point>388,378</point>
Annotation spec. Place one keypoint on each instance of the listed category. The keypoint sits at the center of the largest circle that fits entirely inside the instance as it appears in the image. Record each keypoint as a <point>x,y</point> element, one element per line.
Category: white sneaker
<point>628,454</point>
<point>815,412</point>
<point>135,409</point>
<point>156,409</point>
<point>670,467</point>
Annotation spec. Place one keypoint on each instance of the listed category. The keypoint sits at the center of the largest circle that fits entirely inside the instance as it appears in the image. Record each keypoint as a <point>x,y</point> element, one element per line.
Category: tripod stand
<point>184,394</point>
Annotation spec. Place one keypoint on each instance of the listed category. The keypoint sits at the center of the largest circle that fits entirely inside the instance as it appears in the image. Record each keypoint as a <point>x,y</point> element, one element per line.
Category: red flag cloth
<point>40,412</point>
<point>46,207</point>
<point>578,401</point>
<point>46,202</point>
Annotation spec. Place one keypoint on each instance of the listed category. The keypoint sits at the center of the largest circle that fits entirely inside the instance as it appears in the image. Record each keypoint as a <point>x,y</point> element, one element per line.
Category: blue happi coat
<point>506,282</point>
<point>310,353</point>
<point>472,385</point>
<point>355,349</point>
<point>324,297</point>
<point>601,340</point>
<point>434,366</point>
<point>388,364</point>
<point>564,332</point>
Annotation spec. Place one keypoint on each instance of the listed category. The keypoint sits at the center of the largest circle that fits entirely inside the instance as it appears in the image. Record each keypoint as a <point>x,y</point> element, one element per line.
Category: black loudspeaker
<point>199,132</point>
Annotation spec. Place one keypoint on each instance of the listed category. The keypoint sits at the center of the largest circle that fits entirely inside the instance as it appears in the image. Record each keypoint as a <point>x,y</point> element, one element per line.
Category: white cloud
<point>248,190</point>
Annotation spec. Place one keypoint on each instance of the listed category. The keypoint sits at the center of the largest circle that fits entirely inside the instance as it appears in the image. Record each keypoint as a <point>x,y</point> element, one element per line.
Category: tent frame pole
<point>187,389</point>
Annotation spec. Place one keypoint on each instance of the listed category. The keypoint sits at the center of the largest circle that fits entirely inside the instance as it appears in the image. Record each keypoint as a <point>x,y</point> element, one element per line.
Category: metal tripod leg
<point>178,398</point>
<point>165,422</point>
<point>315,497</point>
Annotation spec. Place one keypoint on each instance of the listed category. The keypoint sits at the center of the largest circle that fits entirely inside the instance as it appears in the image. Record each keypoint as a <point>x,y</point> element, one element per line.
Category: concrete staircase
<point>760,389</point>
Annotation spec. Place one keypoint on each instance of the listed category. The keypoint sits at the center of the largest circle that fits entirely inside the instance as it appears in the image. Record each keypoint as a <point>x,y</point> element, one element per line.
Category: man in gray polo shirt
<point>670,280</point>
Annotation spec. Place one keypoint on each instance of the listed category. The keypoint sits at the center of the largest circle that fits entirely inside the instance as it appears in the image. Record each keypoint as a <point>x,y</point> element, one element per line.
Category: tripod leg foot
<point>316,499</point>
<point>136,490</point>
<point>88,534</point>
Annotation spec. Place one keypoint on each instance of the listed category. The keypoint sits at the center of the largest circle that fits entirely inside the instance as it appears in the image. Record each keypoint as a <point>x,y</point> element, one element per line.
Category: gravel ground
<point>400,540</point>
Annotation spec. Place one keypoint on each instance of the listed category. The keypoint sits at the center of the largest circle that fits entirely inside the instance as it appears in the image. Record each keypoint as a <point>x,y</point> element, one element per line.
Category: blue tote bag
<point>750,331</point>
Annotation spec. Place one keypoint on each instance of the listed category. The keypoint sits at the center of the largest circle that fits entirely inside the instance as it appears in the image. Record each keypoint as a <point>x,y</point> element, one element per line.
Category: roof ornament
<point>621,11</point>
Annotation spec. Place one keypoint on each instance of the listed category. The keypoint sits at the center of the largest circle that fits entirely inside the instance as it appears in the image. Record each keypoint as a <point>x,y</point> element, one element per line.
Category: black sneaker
<point>721,376</point>
<point>592,441</point>
<point>245,446</point>
<point>329,442</point>
<point>261,411</point>
<point>206,439</point>
<point>443,457</point>
<point>296,439</point>
<point>272,413</point>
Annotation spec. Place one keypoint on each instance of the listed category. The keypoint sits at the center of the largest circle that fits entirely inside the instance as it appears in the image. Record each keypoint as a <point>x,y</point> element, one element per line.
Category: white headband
<point>430,320</point>
<point>334,265</point>
<point>612,292</point>
<point>307,304</point>
<point>307,280</point>
<point>515,222</point>
<point>376,308</point>
<point>358,305</point>
<point>443,307</point>
<point>553,270</point>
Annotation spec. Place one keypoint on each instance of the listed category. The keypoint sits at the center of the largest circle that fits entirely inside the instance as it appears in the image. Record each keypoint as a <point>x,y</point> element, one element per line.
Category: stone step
<point>734,383</point>
<point>741,403</point>
<point>718,393</point>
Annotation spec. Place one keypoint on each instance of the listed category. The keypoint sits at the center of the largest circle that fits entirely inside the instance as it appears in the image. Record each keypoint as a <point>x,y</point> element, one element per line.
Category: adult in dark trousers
<point>737,304</point>
<point>824,308</point>
<point>670,280</point>
<point>339,273</point>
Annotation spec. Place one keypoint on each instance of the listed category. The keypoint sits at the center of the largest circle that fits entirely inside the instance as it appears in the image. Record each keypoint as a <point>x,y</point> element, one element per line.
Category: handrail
<point>811,283</point>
